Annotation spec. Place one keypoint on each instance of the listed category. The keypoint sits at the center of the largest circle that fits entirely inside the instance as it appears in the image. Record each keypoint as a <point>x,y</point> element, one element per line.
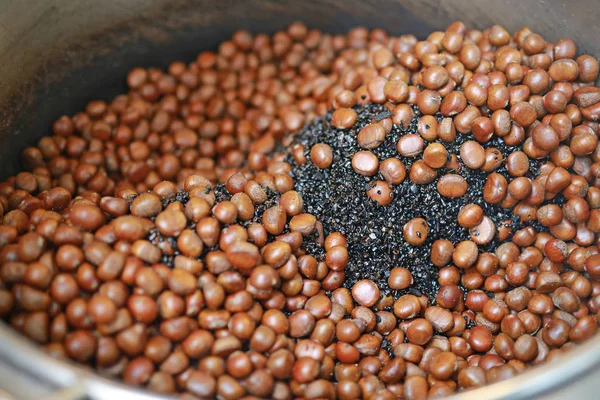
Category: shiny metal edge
<point>19,351</point>
<point>567,370</point>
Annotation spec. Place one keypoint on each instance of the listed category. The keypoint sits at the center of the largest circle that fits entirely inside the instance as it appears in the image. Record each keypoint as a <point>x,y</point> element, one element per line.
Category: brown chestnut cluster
<point>159,238</point>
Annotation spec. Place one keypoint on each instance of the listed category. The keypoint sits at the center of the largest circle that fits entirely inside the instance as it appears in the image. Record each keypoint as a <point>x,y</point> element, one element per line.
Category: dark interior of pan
<point>56,55</point>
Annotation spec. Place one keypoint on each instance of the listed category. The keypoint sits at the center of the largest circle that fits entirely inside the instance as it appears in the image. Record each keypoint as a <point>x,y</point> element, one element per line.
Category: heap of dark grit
<point>336,196</point>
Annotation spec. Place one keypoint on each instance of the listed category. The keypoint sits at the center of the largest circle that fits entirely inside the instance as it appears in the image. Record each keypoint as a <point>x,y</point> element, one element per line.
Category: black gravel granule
<point>337,197</point>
